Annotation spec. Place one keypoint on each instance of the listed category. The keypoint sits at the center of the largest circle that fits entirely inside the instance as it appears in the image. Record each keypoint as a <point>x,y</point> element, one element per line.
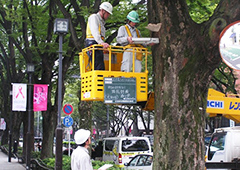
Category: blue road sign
<point>67,121</point>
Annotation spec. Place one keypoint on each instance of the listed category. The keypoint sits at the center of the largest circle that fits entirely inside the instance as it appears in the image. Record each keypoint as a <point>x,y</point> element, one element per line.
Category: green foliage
<point>201,10</point>
<point>67,163</point>
<point>35,155</point>
<point>71,95</point>
<point>20,150</point>
<point>224,79</point>
<point>49,162</point>
<point>98,164</point>
<point>66,143</point>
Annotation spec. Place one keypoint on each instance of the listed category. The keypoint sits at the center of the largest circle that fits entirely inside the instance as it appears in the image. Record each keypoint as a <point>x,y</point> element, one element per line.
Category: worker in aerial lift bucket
<point>95,33</point>
<point>124,38</point>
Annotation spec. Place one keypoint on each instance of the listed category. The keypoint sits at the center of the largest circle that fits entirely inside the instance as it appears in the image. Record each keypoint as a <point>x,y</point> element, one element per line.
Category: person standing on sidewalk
<point>80,158</point>
<point>96,33</point>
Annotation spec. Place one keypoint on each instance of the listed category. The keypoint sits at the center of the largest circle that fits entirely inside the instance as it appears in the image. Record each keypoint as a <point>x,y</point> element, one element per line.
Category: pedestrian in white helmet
<point>80,158</point>
<point>96,33</point>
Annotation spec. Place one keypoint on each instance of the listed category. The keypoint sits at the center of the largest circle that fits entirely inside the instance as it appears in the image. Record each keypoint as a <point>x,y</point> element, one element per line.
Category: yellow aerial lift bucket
<point>92,81</point>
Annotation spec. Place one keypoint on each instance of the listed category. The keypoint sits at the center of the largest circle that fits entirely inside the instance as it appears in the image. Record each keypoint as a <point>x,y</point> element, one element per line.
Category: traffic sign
<point>68,121</point>
<point>67,109</point>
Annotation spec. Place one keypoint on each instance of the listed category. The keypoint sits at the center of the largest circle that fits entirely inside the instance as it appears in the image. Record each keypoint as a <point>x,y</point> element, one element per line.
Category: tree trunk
<point>183,63</point>
<point>85,115</point>
<point>49,126</point>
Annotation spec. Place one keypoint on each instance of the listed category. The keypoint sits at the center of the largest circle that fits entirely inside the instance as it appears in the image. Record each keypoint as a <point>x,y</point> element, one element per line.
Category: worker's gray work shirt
<point>122,34</point>
<point>94,20</point>
<point>80,159</point>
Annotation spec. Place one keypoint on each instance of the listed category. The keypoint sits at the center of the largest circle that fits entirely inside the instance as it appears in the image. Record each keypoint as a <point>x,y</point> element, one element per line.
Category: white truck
<point>223,151</point>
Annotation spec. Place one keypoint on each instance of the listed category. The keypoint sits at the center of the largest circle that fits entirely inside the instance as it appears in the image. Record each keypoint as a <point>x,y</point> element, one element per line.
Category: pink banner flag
<point>40,97</point>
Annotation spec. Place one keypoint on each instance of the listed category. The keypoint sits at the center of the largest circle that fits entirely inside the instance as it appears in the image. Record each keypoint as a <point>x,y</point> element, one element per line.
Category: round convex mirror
<point>229,45</point>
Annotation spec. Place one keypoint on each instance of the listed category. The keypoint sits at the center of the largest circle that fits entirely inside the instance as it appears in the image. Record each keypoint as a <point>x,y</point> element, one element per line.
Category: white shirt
<point>80,159</point>
<point>94,20</point>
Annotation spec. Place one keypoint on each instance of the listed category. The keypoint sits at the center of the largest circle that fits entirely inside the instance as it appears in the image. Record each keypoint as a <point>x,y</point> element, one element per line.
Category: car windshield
<point>141,160</point>
<point>134,145</point>
<point>217,143</point>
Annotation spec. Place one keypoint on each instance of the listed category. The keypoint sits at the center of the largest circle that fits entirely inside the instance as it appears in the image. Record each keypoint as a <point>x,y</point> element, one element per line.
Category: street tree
<point>28,26</point>
<point>183,64</point>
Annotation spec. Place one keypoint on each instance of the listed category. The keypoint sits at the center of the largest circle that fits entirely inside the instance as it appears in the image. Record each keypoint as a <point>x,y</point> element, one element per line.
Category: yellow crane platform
<point>93,81</point>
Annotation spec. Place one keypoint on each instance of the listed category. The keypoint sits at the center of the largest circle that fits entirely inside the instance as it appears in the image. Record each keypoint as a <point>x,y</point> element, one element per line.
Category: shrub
<point>98,164</point>
<point>66,164</point>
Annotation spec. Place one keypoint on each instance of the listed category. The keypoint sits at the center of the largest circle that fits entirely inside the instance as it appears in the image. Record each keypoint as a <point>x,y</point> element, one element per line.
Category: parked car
<point>123,149</point>
<point>140,162</point>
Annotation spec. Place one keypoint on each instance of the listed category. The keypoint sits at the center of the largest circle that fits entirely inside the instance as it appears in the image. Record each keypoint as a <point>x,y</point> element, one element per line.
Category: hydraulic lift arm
<point>219,104</point>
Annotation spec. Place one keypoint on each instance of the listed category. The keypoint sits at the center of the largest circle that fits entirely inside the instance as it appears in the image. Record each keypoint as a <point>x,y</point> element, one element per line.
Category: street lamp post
<point>60,28</point>
<point>38,124</point>
<point>30,70</point>
<point>10,130</point>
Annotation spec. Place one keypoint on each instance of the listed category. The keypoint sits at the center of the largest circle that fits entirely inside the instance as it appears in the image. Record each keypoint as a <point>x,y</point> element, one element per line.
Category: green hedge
<point>66,164</point>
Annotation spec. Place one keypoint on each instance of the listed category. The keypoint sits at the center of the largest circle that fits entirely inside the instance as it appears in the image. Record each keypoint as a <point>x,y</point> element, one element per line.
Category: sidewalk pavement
<point>13,165</point>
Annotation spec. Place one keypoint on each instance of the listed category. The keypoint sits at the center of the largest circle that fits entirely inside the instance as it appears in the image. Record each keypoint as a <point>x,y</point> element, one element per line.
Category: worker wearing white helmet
<point>96,33</point>
<point>80,158</point>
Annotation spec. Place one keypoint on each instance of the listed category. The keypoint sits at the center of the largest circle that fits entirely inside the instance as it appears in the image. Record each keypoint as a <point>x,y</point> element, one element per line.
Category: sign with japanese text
<point>40,92</point>
<point>218,103</point>
<point>19,97</point>
<point>120,90</point>
<point>227,105</point>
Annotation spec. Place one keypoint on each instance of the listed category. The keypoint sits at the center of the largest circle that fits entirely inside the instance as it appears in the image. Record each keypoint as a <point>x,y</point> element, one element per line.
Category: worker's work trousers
<point>99,60</point>
<point>127,62</point>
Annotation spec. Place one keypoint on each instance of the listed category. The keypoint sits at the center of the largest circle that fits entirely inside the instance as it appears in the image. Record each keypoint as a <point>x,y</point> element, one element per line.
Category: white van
<point>123,149</point>
<point>224,145</point>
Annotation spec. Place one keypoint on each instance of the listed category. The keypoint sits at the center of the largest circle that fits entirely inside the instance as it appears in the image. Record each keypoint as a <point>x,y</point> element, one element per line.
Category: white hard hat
<point>81,136</point>
<point>107,7</point>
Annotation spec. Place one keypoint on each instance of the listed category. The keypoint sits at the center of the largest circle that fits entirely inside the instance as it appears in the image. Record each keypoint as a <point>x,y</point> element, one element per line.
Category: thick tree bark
<point>49,126</point>
<point>183,64</point>
<point>85,116</point>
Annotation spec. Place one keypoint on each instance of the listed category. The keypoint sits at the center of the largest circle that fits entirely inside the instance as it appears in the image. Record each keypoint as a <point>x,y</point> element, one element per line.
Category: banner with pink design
<point>40,92</point>
<point>19,97</point>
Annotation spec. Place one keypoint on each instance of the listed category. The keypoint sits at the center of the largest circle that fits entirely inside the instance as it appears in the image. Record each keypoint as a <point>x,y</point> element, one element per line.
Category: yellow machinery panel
<point>92,81</point>
<point>150,102</point>
<point>219,104</point>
